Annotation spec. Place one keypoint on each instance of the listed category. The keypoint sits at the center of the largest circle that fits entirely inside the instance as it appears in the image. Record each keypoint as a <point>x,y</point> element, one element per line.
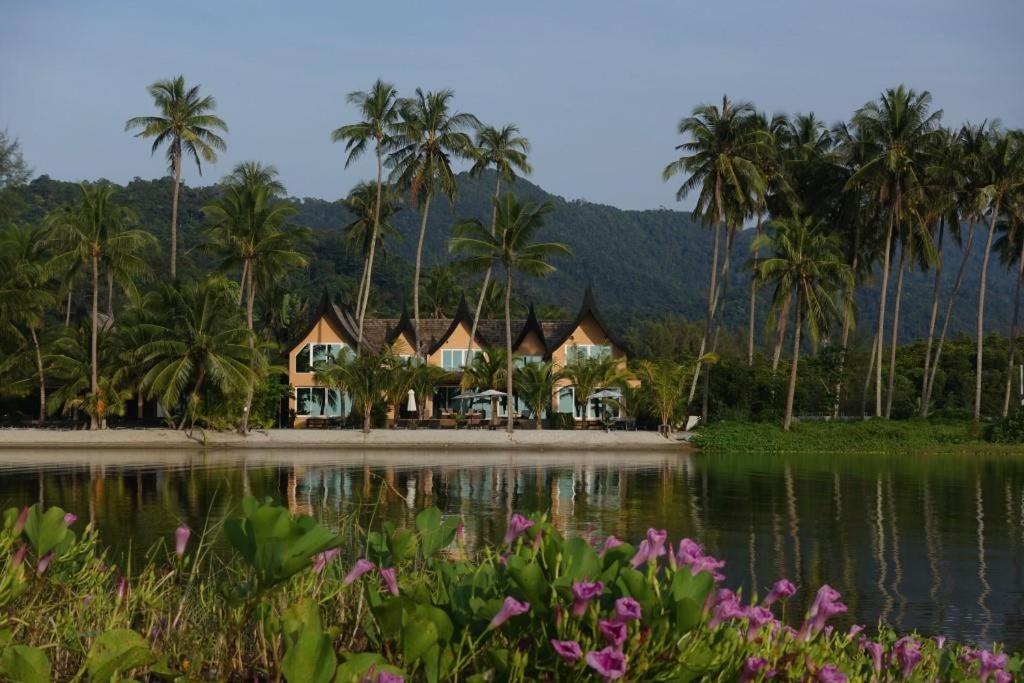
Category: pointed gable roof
<point>532,324</point>
<point>588,307</point>
<point>462,316</point>
<point>338,318</point>
<point>404,325</point>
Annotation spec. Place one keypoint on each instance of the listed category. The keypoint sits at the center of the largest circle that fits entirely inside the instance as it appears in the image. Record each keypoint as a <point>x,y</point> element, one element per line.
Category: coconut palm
<point>425,381</point>
<point>487,370</point>
<point>427,137</point>
<point>370,227</point>
<point>504,150</point>
<point>535,384</point>
<point>90,232</point>
<point>186,124</point>
<point>362,376</point>
<point>590,374</point>
<point>75,371</point>
<point>441,291</point>
<point>1010,247</point>
<point>898,128</point>
<point>662,386</point>
<point>806,263</point>
<point>1003,175</point>
<point>379,109</point>
<point>720,162</point>
<point>511,246</point>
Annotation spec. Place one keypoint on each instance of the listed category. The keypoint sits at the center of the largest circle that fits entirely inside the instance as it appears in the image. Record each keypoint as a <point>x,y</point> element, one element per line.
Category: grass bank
<point>870,436</point>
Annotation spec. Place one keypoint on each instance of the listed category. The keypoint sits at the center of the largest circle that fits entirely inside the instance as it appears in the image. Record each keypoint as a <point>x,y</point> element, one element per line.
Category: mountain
<point>640,264</point>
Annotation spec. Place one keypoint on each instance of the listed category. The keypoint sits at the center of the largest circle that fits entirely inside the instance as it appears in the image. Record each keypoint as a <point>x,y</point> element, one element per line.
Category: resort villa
<point>445,344</point>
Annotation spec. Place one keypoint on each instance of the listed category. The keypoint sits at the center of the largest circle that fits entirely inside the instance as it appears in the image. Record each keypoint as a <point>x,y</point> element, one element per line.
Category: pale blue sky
<point>598,86</point>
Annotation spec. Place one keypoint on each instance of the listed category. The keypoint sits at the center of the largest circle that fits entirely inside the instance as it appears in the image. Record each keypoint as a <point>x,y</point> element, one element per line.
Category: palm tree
<point>512,247</point>
<point>86,384</point>
<point>808,264</point>
<point>399,376</point>
<point>487,370</point>
<point>662,383</point>
<point>426,139</point>
<point>1010,248</point>
<point>247,226</point>
<point>1003,175</point>
<point>441,291</point>
<point>379,109</point>
<point>90,232</point>
<point>505,150</point>
<point>186,123</point>
<point>371,225</point>
<point>426,379</point>
<point>535,384</point>
<point>589,374</point>
<point>898,129</point>
<point>362,376</point>
<point>199,340</point>
<point>720,160</point>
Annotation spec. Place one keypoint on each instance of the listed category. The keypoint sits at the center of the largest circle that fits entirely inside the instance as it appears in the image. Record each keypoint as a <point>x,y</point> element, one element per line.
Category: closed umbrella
<point>411,404</point>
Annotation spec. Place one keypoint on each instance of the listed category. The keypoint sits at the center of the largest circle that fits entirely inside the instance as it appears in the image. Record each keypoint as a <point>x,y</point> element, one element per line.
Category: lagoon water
<point>928,542</point>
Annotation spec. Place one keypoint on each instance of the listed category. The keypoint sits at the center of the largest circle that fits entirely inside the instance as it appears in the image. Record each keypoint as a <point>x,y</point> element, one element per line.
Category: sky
<point>597,86</point>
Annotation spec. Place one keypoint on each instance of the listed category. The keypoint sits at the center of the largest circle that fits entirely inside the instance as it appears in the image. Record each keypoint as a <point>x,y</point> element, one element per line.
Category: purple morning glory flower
<point>390,579</point>
<point>385,677</point>
<point>757,617</point>
<point>627,609</point>
<point>940,642</point>
<point>908,654</point>
<point>517,526</point>
<point>826,605</point>
<point>989,663</point>
<point>360,568</point>
<point>19,555</point>
<point>510,608</point>
<point>609,543</point>
<point>181,536</point>
<point>122,589</point>
<point>875,651</point>
<point>751,667</point>
<point>831,674</point>
<point>569,650</point>
<point>609,663</point>
<point>726,607</point>
<point>19,523</point>
<point>782,589</point>
<point>614,631</point>
<point>855,629</point>
<point>44,562</point>
<point>70,518</point>
<point>583,592</point>
<point>651,548</point>
<point>1001,676</point>
<point>321,559</point>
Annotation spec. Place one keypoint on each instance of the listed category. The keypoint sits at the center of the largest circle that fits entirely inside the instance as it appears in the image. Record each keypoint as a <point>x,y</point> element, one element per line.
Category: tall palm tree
<point>72,365</point>
<point>247,227</point>
<point>898,129</point>
<point>808,264</point>
<point>535,384</point>
<point>185,122</point>
<point>362,376</point>
<point>1010,248</point>
<point>512,247</point>
<point>1003,174</point>
<point>504,150</point>
<point>720,161</point>
<point>487,370</point>
<point>427,137</point>
<point>372,225</point>
<point>441,291</point>
<point>379,109</point>
<point>91,231</point>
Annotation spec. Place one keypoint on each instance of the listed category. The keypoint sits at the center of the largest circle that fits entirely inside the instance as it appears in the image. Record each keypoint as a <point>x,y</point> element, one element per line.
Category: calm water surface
<point>927,542</point>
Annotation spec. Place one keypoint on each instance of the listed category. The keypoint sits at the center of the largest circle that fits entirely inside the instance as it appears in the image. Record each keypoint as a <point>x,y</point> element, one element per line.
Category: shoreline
<point>345,440</point>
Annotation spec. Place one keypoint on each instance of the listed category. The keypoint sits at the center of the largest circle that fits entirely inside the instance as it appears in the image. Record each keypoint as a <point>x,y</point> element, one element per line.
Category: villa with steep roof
<point>445,344</point>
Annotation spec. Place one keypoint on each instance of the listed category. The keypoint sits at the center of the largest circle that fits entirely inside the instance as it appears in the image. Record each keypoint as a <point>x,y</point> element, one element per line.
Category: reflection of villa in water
<point>445,344</point>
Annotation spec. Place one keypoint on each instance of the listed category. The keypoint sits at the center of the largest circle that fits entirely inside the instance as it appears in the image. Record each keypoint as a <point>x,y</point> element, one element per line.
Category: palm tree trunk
<point>367,416</point>
<point>67,313</point>
<point>844,339</point>
<point>174,210</point>
<point>780,332</point>
<point>416,277</point>
<point>933,319</point>
<point>798,323</point>
<point>42,374</point>
<point>880,340</point>
<point>487,276</point>
<point>94,384</point>
<point>895,332</point>
<point>978,365</point>
<point>364,302</point>
<point>110,294</point>
<point>718,311</point>
<point>945,323</point>
<point>241,283</point>
<point>191,399</point>
<point>508,345</point>
<point>869,376</point>
<point>243,426</point>
<point>709,312</point>
<point>1013,330</point>
<point>753,300</point>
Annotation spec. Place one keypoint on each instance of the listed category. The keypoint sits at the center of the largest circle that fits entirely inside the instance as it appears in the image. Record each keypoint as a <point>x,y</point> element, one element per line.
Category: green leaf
<point>356,668</point>
<point>25,664</point>
<point>389,616</point>
<point>47,531</point>
<point>403,545</point>
<point>686,585</point>
<point>418,636</point>
<point>115,652</point>
<point>581,561</point>
<point>439,618</point>
<point>530,579</point>
<point>310,654</point>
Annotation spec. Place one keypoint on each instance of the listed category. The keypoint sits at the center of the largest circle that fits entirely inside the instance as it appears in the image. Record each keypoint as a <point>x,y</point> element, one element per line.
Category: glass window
<point>587,351</point>
<point>319,402</point>
<point>455,359</point>
<point>566,400</point>
<point>520,361</point>
<point>302,360</point>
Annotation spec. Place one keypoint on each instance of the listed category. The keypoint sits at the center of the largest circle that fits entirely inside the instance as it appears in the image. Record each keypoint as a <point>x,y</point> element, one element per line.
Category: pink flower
<point>609,663</point>
<point>614,631</point>
<point>875,651</point>
<point>321,559</point>
<point>460,533</point>
<point>360,568</point>
<point>831,674</point>
<point>609,543</point>
<point>826,605</point>
<point>19,523</point>
<point>627,609</point>
<point>751,668</point>
<point>989,663</point>
<point>569,650</point>
<point>87,600</point>
<point>385,677</point>
<point>122,589</point>
<point>44,562</point>
<point>583,592</point>
<point>390,580</point>
<point>691,554</point>
<point>19,555</point>
<point>940,642</point>
<point>1002,677</point>
<point>726,607</point>
<point>908,654</point>
<point>181,536</point>
<point>70,518</point>
<point>855,629</point>
<point>757,617</point>
<point>517,526</point>
<point>782,589</point>
<point>510,608</point>
<point>651,548</point>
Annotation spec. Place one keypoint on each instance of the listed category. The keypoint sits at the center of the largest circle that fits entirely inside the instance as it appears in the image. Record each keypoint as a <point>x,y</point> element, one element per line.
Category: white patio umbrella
<point>605,393</point>
<point>490,393</point>
<point>411,404</point>
<point>468,394</point>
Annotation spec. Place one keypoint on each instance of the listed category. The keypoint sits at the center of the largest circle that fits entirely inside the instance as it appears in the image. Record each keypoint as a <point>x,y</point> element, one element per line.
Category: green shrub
<point>1010,429</point>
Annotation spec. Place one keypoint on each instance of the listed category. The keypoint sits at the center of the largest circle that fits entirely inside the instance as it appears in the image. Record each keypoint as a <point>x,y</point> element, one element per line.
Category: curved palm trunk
<point>243,426</point>
<point>174,211</point>
<point>241,283</point>
<point>487,278</point>
<point>1013,331</point>
<point>191,400</point>
<point>67,313</point>
<point>709,312</point>
<point>869,376</point>
<point>42,374</point>
<point>798,323</point>
<point>978,364</point>
<point>844,343</point>
<point>880,341</point>
<point>780,332</point>
<point>365,300</point>
<point>753,300</point>
<point>933,319</point>
<point>94,384</point>
<point>718,311</point>
<point>110,294</point>
<point>508,347</point>
<point>416,278</point>
<point>895,332</point>
<point>945,323</point>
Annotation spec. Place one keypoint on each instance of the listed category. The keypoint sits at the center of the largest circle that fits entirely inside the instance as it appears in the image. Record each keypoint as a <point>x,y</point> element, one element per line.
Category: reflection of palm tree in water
<point>933,544</point>
<point>794,522</point>
<point>982,566</point>
<point>849,575</point>
<point>878,542</point>
<point>897,566</point>
<point>295,505</point>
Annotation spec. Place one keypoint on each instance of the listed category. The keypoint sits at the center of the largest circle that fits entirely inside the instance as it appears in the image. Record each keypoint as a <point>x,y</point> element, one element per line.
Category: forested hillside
<point>641,264</point>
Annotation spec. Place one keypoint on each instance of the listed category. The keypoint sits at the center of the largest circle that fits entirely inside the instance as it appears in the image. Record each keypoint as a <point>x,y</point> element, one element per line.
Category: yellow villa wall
<point>459,339</point>
<point>322,333</point>
<point>530,346</point>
